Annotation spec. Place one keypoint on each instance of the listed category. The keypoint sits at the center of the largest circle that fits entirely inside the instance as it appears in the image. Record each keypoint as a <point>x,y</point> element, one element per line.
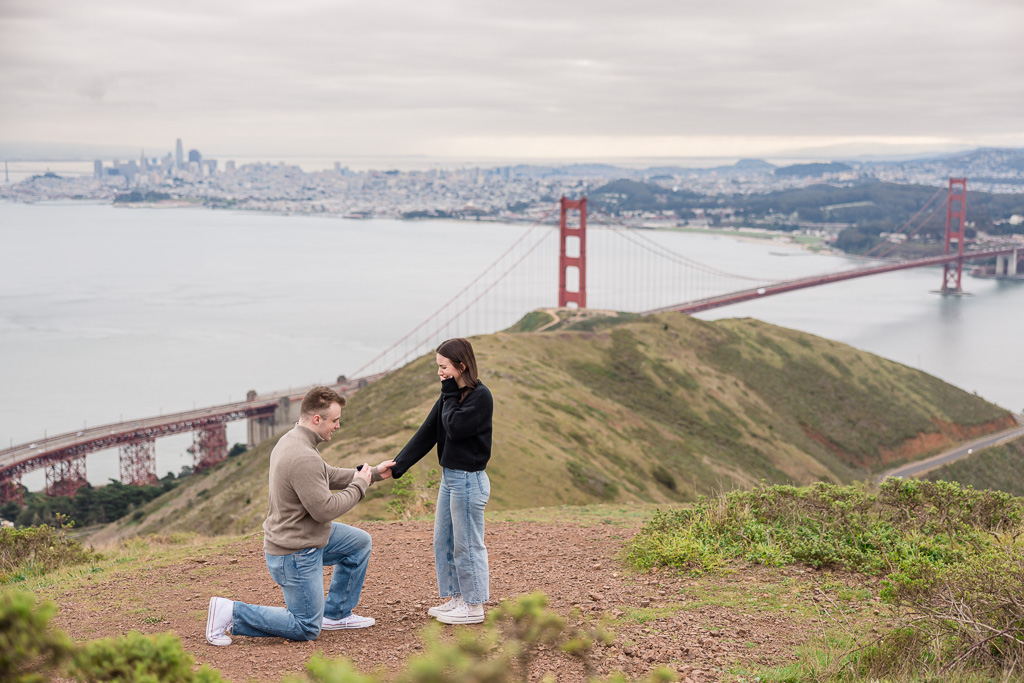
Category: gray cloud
<point>334,76</point>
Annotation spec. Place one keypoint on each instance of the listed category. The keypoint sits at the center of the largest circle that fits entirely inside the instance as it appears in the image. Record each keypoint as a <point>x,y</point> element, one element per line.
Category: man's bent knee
<point>364,540</point>
<point>309,632</point>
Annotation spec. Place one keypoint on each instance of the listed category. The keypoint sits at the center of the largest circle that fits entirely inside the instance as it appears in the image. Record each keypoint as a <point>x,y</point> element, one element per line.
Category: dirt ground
<point>701,627</point>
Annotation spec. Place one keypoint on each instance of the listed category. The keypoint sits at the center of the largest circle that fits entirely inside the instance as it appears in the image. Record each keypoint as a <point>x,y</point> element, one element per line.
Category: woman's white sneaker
<point>463,614</point>
<point>455,601</point>
<point>351,621</point>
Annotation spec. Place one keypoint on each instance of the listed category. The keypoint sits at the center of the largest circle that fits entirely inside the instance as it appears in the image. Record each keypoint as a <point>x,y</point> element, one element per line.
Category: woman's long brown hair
<point>460,352</point>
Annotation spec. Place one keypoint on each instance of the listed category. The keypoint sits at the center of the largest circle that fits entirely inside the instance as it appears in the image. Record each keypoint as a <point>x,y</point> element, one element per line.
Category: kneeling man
<point>300,537</point>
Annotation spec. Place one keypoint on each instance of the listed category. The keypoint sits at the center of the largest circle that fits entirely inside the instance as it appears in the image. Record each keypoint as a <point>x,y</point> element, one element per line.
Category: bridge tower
<point>11,491</point>
<point>956,212</point>
<point>138,462</point>
<point>65,477</point>
<point>572,240</point>
<point>209,446</point>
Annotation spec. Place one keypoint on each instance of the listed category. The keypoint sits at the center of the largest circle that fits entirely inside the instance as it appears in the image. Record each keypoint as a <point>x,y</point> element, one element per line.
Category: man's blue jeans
<point>460,556</point>
<point>301,577</point>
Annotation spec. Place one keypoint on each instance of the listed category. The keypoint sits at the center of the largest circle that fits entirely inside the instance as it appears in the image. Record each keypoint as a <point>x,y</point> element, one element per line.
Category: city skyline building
<point>178,154</point>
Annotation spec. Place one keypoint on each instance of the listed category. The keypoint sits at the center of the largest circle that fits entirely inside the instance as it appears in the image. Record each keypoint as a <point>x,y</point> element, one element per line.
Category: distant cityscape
<point>506,193</point>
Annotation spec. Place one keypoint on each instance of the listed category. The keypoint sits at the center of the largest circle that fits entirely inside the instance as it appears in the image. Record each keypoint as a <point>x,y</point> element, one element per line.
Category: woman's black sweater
<point>460,430</point>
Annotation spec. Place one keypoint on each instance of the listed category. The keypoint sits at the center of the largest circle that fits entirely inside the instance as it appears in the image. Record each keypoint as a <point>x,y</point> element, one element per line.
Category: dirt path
<point>699,627</point>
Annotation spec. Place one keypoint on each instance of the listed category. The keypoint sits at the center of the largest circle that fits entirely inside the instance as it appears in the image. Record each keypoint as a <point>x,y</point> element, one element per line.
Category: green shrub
<point>952,560</point>
<point>28,649</point>
<point>907,525</point>
<point>136,658</point>
<point>37,550</point>
<point>966,616</point>
<point>410,498</point>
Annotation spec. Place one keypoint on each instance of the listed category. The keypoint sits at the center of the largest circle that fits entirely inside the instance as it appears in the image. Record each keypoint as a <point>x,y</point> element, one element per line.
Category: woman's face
<point>446,369</point>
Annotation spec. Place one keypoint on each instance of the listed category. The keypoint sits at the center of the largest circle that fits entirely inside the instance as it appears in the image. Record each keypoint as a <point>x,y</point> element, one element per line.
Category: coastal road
<point>918,468</point>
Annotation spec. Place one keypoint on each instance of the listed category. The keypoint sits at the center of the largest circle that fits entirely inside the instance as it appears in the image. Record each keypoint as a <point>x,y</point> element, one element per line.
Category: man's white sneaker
<point>351,621</point>
<point>455,601</point>
<point>463,614</point>
<point>218,620</point>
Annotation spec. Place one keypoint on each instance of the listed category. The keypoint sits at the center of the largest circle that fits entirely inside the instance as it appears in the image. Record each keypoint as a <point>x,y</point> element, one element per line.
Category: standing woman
<point>459,425</point>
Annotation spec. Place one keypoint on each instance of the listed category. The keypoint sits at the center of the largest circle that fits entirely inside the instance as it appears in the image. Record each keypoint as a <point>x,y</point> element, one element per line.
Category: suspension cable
<point>909,221</point>
<point>465,289</point>
<point>623,229</point>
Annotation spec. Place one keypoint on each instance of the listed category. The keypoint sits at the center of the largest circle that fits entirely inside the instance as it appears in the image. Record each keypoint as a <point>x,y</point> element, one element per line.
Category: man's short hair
<point>318,400</point>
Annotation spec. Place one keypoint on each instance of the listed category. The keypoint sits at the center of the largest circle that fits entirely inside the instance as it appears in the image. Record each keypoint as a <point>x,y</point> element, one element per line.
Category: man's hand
<point>365,473</point>
<point>384,469</point>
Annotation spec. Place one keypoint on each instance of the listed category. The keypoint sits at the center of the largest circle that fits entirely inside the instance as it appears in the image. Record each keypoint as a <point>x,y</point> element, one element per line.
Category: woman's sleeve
<point>462,420</point>
<point>419,445</point>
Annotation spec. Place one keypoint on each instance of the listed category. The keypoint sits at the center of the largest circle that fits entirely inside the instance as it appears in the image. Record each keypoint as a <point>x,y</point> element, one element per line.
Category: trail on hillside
<point>660,618</point>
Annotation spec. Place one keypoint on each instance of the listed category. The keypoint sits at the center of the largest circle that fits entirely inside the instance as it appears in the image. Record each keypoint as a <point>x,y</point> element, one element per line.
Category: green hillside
<point>620,409</point>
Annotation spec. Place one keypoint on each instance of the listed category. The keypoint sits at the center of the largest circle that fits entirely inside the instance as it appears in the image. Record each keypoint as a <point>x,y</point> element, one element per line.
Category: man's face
<point>325,426</point>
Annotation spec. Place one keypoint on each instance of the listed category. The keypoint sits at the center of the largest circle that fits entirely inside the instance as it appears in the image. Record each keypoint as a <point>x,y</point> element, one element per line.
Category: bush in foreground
<point>28,648</point>
<point>139,659</point>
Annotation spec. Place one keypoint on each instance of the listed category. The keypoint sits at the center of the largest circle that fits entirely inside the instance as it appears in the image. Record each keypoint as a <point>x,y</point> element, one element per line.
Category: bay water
<point>110,314</point>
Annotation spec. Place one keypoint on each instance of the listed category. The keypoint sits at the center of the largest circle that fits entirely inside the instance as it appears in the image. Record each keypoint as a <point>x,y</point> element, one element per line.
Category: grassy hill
<point>620,409</point>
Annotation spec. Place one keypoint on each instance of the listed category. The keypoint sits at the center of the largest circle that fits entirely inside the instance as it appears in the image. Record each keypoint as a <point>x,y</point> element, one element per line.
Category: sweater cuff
<point>375,475</point>
<point>449,387</point>
<point>360,484</point>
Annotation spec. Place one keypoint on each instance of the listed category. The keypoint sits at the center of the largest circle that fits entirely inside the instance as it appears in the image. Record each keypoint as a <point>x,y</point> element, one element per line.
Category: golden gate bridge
<point>637,274</point>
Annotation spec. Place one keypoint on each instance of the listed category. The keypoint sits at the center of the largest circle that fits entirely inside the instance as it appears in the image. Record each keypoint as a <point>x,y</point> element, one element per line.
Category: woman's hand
<point>384,469</point>
<point>449,387</point>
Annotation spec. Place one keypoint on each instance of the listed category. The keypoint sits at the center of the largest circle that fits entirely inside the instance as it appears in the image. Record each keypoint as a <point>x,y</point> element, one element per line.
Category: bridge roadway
<point>19,459</point>
<point>699,305</point>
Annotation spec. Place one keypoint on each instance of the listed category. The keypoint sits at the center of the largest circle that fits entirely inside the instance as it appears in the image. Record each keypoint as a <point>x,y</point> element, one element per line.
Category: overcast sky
<point>521,78</point>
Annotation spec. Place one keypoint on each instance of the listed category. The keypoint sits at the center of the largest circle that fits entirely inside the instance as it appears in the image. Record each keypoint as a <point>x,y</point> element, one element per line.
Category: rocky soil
<point>706,628</point>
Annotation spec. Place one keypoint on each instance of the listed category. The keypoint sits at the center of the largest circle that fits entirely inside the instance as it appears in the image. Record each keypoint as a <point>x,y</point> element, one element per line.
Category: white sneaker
<point>351,621</point>
<point>455,601</point>
<point>218,620</point>
<point>463,614</point>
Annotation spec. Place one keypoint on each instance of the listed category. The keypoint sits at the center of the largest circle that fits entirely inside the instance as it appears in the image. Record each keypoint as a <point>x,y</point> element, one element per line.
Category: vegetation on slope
<point>952,559</point>
<point>656,409</point>
<point>35,550</point>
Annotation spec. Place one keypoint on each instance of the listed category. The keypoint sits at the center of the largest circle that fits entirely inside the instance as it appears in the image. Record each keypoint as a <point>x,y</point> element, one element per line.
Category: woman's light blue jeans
<point>301,577</point>
<point>460,556</point>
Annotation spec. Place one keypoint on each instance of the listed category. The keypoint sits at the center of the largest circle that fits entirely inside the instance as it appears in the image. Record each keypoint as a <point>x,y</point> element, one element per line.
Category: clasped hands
<point>365,472</point>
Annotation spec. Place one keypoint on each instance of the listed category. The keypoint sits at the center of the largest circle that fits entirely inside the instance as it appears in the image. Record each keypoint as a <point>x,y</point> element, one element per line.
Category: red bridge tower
<point>956,212</point>
<point>576,237</point>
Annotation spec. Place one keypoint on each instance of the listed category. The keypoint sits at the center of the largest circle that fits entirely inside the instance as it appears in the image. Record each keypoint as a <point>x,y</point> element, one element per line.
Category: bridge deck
<point>22,458</point>
<point>817,280</point>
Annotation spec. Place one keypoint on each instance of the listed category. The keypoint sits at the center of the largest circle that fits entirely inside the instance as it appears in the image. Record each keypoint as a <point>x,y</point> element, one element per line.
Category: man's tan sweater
<point>301,503</point>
